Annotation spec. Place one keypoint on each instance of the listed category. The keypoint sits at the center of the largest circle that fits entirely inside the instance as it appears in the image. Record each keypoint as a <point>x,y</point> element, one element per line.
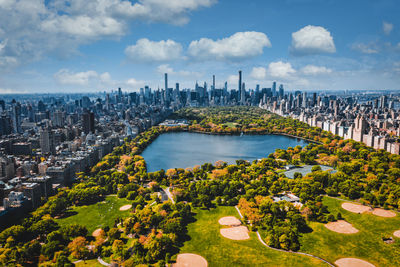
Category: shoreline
<point>264,132</point>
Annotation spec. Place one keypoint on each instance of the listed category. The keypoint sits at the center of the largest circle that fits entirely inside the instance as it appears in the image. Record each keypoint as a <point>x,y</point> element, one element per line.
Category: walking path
<point>169,195</point>
<point>282,250</point>
<point>100,260</point>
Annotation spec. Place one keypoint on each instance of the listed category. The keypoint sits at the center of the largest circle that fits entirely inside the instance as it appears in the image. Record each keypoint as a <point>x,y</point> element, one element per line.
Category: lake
<point>182,150</point>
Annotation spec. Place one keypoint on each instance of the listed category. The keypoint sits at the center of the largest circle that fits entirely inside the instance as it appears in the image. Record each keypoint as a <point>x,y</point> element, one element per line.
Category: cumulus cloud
<point>312,40</point>
<point>279,69</point>
<point>387,27</point>
<point>65,76</point>
<point>315,70</point>
<point>132,82</point>
<point>35,27</point>
<point>258,73</point>
<point>149,51</point>
<point>238,46</point>
<point>84,26</point>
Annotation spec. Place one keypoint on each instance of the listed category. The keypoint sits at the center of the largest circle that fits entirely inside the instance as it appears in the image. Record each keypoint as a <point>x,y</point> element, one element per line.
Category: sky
<point>77,46</point>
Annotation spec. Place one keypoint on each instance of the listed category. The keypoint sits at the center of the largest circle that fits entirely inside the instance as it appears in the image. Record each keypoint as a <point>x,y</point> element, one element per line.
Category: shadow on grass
<point>67,214</point>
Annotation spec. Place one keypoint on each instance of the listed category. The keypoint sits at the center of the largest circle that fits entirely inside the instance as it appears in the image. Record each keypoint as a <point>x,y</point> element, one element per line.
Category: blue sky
<point>100,45</point>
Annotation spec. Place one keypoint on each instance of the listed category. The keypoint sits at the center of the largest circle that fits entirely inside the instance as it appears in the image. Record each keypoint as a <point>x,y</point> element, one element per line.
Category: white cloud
<point>84,26</point>
<point>312,40</point>
<point>149,51</point>
<point>315,70</point>
<point>35,28</point>
<point>371,48</point>
<point>165,68</point>
<point>93,80</point>
<point>387,27</point>
<point>258,73</point>
<point>238,46</point>
<point>132,82</point>
<point>171,11</point>
<point>279,69</point>
<point>65,76</point>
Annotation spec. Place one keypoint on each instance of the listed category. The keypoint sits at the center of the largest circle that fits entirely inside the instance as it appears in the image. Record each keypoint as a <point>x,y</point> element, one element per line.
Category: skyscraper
<point>47,143</point>
<point>274,89</point>
<point>166,81</point>
<point>213,87</point>
<point>240,85</point>
<point>281,91</point>
<point>88,122</point>
<point>16,117</point>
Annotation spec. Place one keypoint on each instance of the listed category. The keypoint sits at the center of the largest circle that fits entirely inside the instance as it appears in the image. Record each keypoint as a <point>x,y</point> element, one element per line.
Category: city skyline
<point>304,44</point>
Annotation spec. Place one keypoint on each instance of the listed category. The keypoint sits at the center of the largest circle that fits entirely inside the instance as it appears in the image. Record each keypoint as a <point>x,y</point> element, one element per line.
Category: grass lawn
<point>367,244</point>
<point>231,124</point>
<point>88,263</point>
<point>97,215</point>
<point>220,251</point>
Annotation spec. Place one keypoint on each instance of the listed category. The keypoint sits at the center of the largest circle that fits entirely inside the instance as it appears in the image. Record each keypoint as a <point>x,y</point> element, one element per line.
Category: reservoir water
<point>182,150</point>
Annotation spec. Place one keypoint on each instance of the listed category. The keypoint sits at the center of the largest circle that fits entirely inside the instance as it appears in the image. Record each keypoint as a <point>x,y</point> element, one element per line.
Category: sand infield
<point>355,207</point>
<point>397,233</point>
<point>341,227</point>
<point>383,213</point>
<point>353,262</point>
<point>125,207</point>
<point>96,232</point>
<point>361,209</point>
<point>235,233</point>
<point>230,221</point>
<point>190,260</point>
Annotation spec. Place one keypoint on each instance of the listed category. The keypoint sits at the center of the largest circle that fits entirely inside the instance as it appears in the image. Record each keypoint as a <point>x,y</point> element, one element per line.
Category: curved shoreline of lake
<point>187,149</point>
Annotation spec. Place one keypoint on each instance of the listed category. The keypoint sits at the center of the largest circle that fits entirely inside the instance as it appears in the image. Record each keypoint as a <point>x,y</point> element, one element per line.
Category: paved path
<point>282,250</point>
<point>100,260</point>
<point>169,195</point>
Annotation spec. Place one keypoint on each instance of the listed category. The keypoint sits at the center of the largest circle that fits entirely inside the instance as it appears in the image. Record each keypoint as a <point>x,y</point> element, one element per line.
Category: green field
<point>231,124</point>
<point>367,244</point>
<point>206,241</point>
<point>97,215</point>
<point>88,263</point>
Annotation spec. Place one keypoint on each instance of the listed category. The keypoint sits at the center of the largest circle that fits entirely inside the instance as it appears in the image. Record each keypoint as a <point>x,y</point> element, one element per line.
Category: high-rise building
<point>304,100</point>
<point>58,118</point>
<point>274,89</point>
<point>16,117</point>
<point>88,122</point>
<point>166,81</point>
<point>47,142</point>
<point>240,85</point>
<point>281,91</point>
<point>5,125</point>
<point>213,86</point>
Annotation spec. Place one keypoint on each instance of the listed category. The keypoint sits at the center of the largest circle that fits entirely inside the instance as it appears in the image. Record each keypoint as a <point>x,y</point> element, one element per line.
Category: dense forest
<point>155,230</point>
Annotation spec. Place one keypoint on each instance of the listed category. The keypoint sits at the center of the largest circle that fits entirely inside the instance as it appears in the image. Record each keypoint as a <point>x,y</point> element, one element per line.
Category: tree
<point>118,248</point>
<point>78,248</point>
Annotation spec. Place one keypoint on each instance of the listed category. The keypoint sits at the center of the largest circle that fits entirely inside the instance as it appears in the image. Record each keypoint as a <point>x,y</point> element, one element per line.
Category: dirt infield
<point>342,227</point>
<point>190,260</point>
<point>125,207</point>
<point>353,262</point>
<point>383,213</point>
<point>355,207</point>
<point>397,233</point>
<point>235,233</point>
<point>96,232</point>
<point>230,221</point>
